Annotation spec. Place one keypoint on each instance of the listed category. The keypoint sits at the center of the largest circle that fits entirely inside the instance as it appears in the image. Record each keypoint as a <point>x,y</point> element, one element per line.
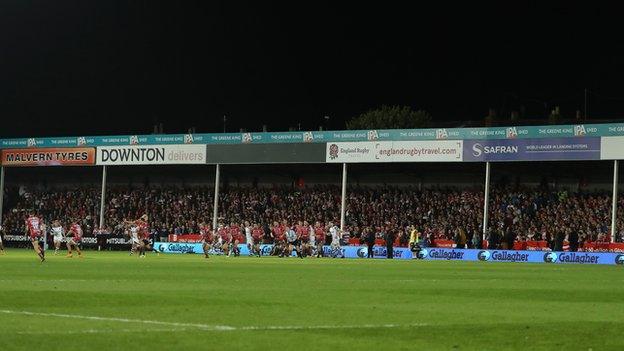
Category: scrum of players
<point>304,239</point>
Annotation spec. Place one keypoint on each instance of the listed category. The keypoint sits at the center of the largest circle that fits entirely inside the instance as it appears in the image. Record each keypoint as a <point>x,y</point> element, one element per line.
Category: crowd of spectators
<point>517,214</point>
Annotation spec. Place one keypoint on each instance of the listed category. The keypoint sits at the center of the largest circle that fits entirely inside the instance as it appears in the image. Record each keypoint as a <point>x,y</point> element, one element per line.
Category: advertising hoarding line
<point>34,157</point>
<point>480,133</point>
<point>151,155</point>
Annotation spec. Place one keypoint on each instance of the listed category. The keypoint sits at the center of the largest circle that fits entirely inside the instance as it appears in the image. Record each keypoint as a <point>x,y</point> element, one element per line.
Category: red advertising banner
<point>543,246</point>
<point>70,156</point>
<point>185,238</point>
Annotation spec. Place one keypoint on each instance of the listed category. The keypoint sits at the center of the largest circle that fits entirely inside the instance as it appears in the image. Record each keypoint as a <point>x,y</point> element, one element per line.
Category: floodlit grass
<point>113,301</point>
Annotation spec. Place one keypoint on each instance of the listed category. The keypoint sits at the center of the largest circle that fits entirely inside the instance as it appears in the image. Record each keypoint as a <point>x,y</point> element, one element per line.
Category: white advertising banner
<point>151,155</point>
<point>612,148</point>
<point>395,151</point>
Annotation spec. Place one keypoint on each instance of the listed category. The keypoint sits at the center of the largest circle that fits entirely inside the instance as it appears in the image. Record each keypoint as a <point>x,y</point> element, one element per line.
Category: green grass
<point>429,305</point>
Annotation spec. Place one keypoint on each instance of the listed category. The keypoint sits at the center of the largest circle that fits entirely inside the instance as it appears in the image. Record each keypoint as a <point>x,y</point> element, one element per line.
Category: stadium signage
<point>151,155</point>
<point>48,157</point>
<point>551,149</point>
<point>518,132</point>
<point>346,251</point>
<point>522,256</point>
<point>612,148</point>
<point>502,256</point>
<point>395,151</point>
<point>434,254</point>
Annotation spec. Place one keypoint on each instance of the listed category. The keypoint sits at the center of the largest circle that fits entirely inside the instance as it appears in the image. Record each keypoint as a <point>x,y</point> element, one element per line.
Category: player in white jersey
<point>312,244</point>
<point>134,237</point>
<point>58,232</point>
<point>248,238</point>
<point>334,231</point>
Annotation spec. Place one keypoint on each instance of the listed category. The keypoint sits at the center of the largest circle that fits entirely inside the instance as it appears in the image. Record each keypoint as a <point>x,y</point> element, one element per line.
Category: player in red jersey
<point>206,236</point>
<point>303,234</point>
<point>278,239</point>
<point>256,234</point>
<point>224,239</point>
<point>75,233</point>
<point>319,233</point>
<point>235,233</point>
<point>143,234</point>
<point>34,231</point>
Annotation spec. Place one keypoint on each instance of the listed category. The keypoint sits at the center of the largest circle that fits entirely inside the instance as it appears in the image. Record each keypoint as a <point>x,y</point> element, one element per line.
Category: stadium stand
<point>444,216</point>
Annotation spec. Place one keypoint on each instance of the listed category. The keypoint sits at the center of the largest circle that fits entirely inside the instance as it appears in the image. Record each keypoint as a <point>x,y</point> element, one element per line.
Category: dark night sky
<point>109,67</point>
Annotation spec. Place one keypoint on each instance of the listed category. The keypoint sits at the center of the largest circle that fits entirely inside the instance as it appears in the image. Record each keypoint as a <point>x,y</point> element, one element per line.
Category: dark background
<point>119,67</point>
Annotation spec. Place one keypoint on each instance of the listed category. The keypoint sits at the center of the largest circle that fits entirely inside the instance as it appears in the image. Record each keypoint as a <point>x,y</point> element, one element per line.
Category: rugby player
<point>248,238</point>
<point>334,231</point>
<point>292,243</point>
<point>303,233</point>
<point>207,238</point>
<point>134,237</point>
<point>319,233</point>
<point>74,241</point>
<point>144,243</point>
<point>33,229</point>
<point>58,232</point>
<point>141,228</point>
<point>256,238</point>
<point>225,239</point>
<point>312,243</point>
<point>278,239</point>
<point>235,233</point>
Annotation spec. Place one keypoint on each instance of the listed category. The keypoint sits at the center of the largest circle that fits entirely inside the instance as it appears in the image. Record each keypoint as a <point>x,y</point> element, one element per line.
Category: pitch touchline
<point>217,327</point>
<point>122,320</point>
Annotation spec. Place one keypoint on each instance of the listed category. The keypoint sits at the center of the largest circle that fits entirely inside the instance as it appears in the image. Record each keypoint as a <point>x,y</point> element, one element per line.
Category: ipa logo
<point>512,133</point>
<point>81,141</point>
<point>188,138</point>
<point>246,137</point>
<point>308,137</point>
<point>579,130</point>
<point>372,135</point>
<point>134,140</point>
<point>441,134</point>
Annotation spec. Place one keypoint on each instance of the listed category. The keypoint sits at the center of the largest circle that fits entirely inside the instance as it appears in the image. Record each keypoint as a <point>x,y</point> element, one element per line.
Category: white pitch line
<point>122,320</point>
<point>97,331</point>
<point>207,327</point>
<point>329,327</point>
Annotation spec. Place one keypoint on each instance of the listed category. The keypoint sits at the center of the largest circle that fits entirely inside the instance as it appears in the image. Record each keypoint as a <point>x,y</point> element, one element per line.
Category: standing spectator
<point>460,238</point>
<point>509,238</point>
<point>573,240</point>
<point>477,241</point>
<point>390,236</point>
<point>369,238</point>
<point>493,239</point>
<point>559,237</point>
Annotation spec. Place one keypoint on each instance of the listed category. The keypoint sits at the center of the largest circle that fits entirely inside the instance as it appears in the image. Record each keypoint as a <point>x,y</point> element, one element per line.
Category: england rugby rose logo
<point>333,151</point>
